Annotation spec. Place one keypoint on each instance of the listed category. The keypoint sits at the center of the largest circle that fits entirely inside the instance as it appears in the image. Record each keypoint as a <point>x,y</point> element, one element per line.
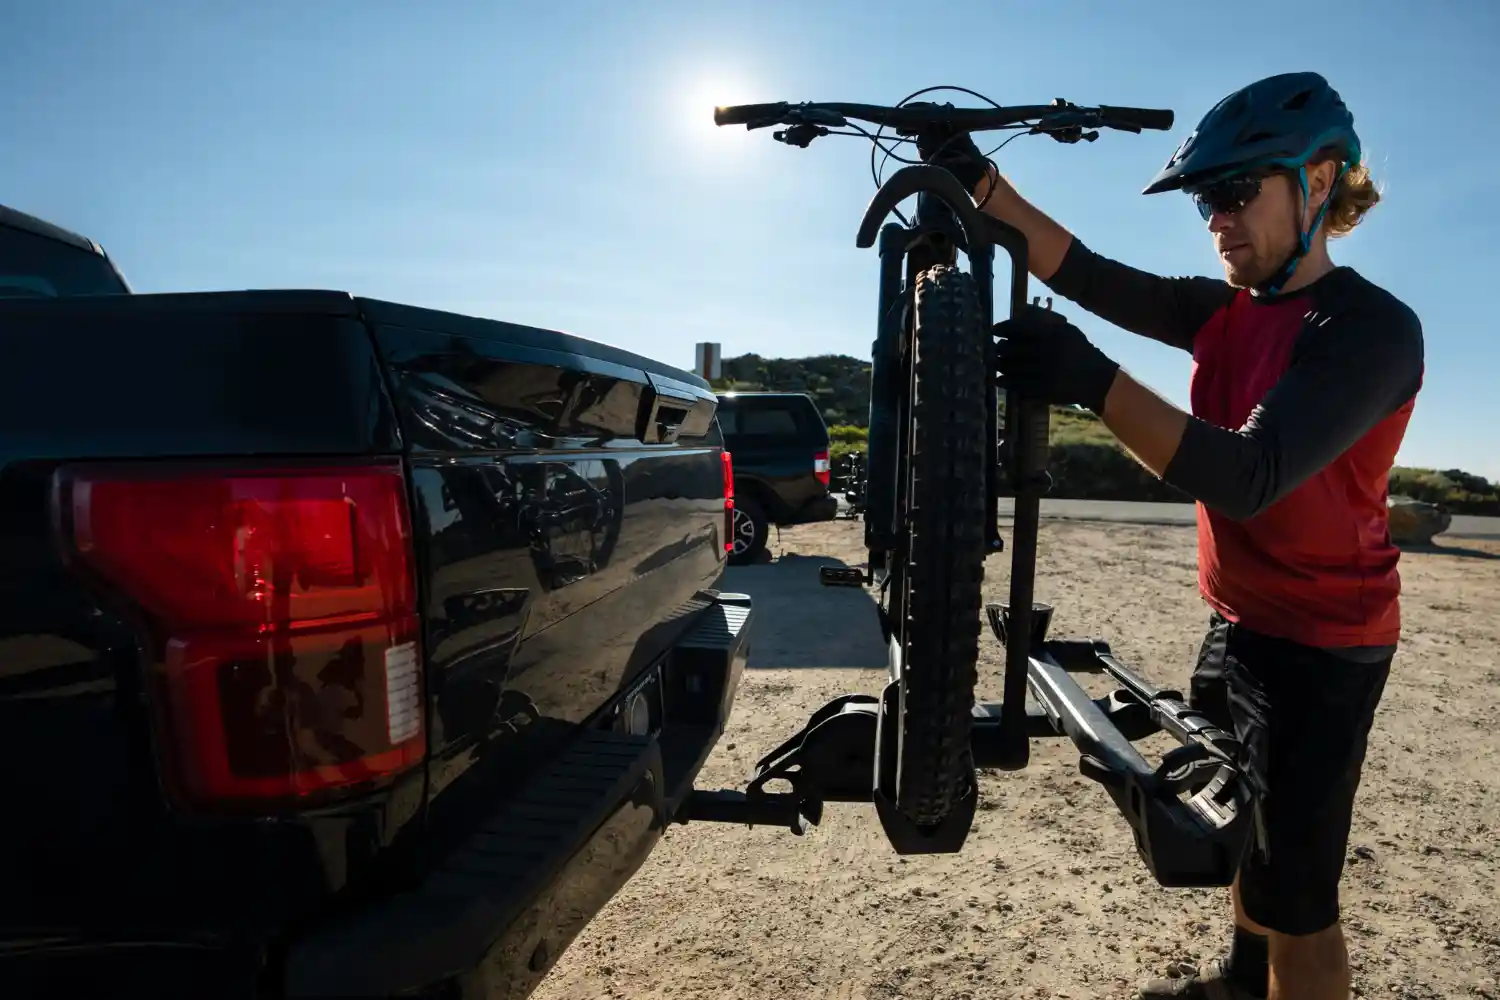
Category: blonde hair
<point>1354,195</point>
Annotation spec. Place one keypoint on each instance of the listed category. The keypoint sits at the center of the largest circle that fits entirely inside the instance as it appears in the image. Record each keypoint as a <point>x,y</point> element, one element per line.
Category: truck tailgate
<point>87,844</point>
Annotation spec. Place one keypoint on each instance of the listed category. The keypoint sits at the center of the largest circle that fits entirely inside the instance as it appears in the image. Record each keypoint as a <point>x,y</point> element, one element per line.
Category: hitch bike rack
<point>1189,816</point>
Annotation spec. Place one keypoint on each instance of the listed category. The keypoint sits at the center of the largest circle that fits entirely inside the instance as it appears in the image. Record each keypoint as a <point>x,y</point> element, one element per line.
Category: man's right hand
<point>954,150</point>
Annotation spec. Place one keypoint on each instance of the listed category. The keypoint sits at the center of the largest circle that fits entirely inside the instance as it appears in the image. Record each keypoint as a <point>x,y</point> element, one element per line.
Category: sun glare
<point>701,96</point>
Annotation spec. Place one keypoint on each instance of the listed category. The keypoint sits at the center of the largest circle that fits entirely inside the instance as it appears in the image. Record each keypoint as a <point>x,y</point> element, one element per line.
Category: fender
<point>919,178</point>
<point>980,231</point>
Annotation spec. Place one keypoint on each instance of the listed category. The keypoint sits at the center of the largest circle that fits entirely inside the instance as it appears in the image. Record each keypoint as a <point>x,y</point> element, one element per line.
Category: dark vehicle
<point>781,472</point>
<point>41,260</point>
<point>347,649</point>
<point>939,456</point>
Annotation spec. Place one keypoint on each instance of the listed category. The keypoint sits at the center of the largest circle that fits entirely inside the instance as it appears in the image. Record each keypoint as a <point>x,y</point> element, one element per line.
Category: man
<point>1304,378</point>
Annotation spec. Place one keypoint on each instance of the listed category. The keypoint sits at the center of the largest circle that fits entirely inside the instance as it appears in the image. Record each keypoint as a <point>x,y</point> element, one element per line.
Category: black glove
<point>953,150</point>
<point>1043,356</point>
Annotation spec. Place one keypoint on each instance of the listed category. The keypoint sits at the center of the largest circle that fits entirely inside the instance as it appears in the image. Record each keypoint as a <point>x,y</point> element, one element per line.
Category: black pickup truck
<point>347,649</point>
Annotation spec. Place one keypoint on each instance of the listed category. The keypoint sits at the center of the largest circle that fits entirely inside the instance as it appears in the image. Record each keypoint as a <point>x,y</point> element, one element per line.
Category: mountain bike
<point>939,455</point>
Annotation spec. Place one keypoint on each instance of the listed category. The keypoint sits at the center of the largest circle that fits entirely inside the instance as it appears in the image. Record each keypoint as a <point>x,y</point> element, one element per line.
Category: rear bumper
<point>495,916</point>
<point>822,509</point>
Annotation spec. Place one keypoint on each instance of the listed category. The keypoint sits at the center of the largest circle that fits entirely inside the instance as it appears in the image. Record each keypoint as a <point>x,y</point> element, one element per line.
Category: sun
<point>701,95</point>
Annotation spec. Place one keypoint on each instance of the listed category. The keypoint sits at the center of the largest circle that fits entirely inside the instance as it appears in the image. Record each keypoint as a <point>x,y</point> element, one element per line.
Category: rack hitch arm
<point>1189,816</point>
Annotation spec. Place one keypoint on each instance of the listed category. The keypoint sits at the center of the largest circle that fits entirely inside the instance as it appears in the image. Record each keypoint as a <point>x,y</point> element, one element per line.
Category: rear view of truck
<point>346,649</point>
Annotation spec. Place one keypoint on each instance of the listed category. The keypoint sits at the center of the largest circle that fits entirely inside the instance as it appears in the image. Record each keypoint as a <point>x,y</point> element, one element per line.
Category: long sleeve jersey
<point>1299,405</point>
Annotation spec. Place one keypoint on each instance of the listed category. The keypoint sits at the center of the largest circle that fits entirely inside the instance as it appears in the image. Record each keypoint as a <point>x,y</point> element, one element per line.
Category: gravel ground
<point>1048,898</point>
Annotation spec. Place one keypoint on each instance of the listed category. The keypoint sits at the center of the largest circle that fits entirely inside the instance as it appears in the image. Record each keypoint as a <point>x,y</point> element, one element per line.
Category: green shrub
<point>841,449</point>
<point>1458,491</point>
<point>847,434</point>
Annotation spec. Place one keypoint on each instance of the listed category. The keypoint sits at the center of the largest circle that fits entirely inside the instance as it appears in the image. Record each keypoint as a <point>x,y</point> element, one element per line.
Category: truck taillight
<point>281,605</point>
<point>821,468</point>
<point>728,501</point>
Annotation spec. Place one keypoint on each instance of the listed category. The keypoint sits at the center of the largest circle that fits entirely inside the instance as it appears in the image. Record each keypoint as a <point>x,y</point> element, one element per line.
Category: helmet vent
<point>1260,136</point>
<point>1297,101</point>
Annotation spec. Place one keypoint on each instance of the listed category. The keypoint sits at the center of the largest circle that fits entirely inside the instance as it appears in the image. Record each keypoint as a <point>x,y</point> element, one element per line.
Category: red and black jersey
<point>1299,405</point>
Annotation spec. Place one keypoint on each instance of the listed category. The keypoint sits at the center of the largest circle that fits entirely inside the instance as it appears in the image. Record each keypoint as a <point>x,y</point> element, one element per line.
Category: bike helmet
<point>1279,122</point>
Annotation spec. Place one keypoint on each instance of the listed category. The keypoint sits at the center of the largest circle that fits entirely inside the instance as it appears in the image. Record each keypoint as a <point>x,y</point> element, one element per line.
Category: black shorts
<point>1303,717</point>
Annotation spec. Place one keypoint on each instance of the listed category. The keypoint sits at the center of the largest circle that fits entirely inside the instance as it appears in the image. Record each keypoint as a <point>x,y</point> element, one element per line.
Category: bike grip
<point>1152,118</point>
<point>740,114</point>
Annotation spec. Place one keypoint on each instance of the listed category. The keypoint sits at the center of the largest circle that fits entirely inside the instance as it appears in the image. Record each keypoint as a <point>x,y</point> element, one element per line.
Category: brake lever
<point>800,134</point>
<point>1065,133</point>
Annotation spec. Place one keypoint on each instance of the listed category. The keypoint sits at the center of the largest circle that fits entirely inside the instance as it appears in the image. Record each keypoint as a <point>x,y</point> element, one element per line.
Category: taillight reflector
<point>728,501</point>
<point>821,467</point>
<point>282,607</point>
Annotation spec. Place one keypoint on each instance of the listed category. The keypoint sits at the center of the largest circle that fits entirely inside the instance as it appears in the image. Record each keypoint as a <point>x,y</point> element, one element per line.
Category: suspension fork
<point>981,266</point>
<point>905,252</point>
<point>881,465</point>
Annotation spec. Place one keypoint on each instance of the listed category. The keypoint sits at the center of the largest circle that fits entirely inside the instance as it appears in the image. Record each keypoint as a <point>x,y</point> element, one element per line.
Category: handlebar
<point>911,117</point>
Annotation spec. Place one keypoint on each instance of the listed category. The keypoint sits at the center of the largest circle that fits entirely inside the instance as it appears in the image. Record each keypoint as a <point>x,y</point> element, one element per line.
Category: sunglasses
<point>1227,196</point>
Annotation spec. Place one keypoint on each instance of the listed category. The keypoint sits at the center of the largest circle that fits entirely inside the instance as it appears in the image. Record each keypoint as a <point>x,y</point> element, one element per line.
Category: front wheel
<point>943,545</point>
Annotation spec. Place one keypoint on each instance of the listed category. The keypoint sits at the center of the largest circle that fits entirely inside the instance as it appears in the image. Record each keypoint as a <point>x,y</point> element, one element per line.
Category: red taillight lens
<point>821,467</point>
<point>283,605</point>
<point>728,501</point>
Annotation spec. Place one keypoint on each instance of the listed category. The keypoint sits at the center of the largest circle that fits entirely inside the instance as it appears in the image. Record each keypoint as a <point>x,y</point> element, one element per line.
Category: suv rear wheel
<point>750,530</point>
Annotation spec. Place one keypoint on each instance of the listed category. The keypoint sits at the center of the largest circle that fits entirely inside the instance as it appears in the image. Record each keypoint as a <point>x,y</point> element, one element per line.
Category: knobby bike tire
<point>944,550</point>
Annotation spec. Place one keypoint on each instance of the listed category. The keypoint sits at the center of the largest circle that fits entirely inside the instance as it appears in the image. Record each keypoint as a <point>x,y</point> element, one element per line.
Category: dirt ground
<point>1048,898</point>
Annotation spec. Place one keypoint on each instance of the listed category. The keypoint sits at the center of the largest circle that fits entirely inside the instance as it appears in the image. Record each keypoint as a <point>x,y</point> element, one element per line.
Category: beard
<point>1248,267</point>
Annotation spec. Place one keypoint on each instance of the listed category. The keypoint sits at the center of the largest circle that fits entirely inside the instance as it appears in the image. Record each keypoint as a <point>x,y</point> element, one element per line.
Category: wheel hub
<point>744,532</point>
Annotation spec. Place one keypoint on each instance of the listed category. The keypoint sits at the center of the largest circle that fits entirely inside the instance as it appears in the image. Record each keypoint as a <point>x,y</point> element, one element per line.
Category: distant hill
<point>838,383</point>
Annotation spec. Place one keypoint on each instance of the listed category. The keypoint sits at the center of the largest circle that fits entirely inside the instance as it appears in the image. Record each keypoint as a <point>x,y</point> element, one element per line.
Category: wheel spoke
<point>744,532</point>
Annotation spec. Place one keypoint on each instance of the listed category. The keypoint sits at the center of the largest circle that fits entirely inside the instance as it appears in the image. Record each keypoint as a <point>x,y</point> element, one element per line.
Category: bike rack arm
<point>1191,815</point>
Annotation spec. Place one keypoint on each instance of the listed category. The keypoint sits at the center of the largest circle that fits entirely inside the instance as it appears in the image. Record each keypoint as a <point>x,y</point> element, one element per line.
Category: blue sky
<point>557,164</point>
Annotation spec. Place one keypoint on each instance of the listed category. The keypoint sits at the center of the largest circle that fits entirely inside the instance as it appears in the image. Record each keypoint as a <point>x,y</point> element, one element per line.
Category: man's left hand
<point>1041,355</point>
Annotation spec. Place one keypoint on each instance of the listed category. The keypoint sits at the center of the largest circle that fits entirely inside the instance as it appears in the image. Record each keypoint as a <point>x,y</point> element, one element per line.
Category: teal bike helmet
<point>1279,123</point>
